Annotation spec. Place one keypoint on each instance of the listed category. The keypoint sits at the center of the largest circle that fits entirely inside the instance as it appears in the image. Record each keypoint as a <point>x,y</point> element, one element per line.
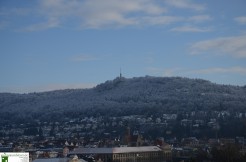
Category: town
<point>180,136</point>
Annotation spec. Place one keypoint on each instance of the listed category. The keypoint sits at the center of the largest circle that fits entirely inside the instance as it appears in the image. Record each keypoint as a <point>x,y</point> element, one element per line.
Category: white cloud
<point>223,75</point>
<point>199,18</point>
<point>58,86</point>
<point>160,20</point>
<point>44,88</point>
<point>51,23</point>
<point>241,20</point>
<point>218,70</point>
<point>176,71</point>
<point>185,4</point>
<point>98,13</point>
<point>103,13</point>
<point>190,29</point>
<point>235,46</point>
<point>107,13</point>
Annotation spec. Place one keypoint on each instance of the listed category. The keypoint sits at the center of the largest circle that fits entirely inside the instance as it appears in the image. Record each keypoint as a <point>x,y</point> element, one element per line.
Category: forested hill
<point>121,96</point>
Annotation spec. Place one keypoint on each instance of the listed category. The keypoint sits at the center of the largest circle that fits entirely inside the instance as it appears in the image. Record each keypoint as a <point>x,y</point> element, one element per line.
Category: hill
<point>121,96</point>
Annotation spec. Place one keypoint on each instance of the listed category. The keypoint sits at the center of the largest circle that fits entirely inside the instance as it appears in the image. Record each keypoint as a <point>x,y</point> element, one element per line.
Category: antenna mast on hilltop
<point>120,74</point>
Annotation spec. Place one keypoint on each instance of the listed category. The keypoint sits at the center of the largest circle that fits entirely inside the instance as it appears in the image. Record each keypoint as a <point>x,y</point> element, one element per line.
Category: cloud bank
<point>177,71</point>
<point>97,14</point>
<point>241,20</point>
<point>45,88</point>
<point>190,29</point>
<point>234,46</point>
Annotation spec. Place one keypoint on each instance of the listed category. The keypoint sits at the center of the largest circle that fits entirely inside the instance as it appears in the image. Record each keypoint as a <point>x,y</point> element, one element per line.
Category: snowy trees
<point>121,96</point>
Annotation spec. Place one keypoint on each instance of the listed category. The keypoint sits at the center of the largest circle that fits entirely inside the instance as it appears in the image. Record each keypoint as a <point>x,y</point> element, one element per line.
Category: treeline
<point>121,96</point>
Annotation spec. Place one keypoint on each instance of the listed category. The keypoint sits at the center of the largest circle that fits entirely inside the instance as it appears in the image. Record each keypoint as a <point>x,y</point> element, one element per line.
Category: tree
<point>40,133</point>
<point>32,131</point>
<point>228,153</point>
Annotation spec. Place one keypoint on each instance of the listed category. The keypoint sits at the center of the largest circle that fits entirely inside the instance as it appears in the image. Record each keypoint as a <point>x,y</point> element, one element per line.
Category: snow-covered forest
<point>122,96</point>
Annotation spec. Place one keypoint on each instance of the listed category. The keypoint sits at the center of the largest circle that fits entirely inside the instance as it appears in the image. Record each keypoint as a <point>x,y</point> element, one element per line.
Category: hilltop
<point>122,96</point>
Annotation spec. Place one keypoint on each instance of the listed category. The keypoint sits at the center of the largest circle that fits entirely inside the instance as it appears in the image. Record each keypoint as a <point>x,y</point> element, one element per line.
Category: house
<point>227,141</point>
<point>190,142</point>
<point>186,122</point>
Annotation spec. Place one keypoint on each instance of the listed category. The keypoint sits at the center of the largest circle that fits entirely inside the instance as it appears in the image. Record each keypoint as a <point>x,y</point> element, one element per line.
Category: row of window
<point>147,155</point>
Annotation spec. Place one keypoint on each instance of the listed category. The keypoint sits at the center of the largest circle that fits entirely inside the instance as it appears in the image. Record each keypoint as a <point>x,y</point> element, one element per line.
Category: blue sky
<point>59,44</point>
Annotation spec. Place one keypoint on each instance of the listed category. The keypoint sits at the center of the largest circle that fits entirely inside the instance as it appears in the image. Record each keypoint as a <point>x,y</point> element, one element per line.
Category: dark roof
<point>115,150</point>
<point>51,160</point>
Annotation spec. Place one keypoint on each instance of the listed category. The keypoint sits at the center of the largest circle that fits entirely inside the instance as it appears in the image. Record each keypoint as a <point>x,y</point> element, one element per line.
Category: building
<point>123,154</point>
<point>190,142</point>
<point>52,160</point>
<point>133,140</point>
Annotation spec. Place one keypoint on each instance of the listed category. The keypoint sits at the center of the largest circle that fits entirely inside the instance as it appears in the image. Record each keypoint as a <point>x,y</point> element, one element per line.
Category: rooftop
<point>115,150</point>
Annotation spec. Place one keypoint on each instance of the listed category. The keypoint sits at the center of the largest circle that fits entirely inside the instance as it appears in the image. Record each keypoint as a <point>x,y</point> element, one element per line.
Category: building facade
<point>124,154</point>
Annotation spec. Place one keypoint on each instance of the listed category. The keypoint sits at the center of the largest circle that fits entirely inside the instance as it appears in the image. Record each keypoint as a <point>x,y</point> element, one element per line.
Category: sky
<point>58,44</point>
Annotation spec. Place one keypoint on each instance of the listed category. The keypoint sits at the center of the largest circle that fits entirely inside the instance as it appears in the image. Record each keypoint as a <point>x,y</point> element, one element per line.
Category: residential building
<point>124,154</point>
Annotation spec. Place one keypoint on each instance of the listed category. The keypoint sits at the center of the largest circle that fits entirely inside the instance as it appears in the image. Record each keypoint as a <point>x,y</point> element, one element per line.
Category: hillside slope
<point>123,96</point>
